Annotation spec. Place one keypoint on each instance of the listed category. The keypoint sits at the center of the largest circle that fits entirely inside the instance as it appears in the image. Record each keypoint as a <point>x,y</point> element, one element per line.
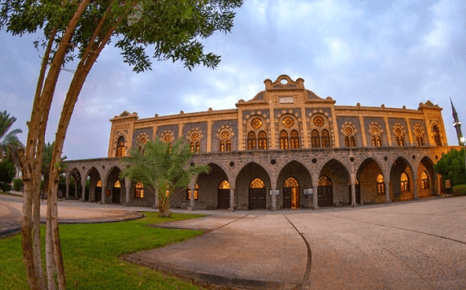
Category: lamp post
<point>463,141</point>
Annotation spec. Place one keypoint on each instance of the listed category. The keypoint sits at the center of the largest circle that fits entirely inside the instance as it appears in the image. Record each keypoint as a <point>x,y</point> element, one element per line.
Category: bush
<point>459,190</point>
<point>17,184</point>
<point>5,187</point>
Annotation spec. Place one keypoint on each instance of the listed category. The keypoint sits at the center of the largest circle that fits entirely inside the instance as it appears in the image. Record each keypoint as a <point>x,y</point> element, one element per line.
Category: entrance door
<point>98,194</point>
<point>223,195</point>
<point>325,192</point>
<point>291,193</point>
<point>257,194</point>
<point>116,195</point>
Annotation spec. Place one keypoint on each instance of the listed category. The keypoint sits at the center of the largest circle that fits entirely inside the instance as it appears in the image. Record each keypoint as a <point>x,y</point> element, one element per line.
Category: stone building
<point>285,148</point>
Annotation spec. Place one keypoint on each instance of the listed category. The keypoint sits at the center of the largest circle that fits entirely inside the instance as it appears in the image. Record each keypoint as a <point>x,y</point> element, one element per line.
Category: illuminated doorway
<point>291,193</point>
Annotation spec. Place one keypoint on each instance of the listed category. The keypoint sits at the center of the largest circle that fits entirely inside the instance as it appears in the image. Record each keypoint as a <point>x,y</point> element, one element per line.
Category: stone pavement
<point>409,245</point>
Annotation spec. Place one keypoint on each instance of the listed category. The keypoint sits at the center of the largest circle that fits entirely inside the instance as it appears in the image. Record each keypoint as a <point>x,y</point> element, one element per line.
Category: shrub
<point>459,190</point>
<point>5,187</point>
<point>17,184</point>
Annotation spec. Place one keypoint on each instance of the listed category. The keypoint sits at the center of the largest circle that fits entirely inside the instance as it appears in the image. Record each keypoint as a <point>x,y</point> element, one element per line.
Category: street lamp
<point>463,140</point>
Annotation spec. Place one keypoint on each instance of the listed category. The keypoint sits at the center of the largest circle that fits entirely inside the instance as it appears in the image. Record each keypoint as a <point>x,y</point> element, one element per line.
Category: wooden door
<point>223,196</point>
<point>116,195</point>
<point>287,197</point>
<point>257,198</point>
<point>325,196</point>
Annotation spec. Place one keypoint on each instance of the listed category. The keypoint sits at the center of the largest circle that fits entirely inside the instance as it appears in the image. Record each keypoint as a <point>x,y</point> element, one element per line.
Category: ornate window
<point>256,123</point>
<point>288,122</point>
<point>117,184</point>
<point>194,137</point>
<point>139,190</point>
<point>120,150</point>
<point>167,138</point>
<point>318,121</point>
<point>99,183</point>
<point>224,185</point>
<point>291,182</point>
<point>404,182</point>
<point>425,180</point>
<point>324,181</point>
<point>294,139</point>
<point>349,132</point>
<point>142,140</point>
<point>284,140</point>
<point>262,141</point>
<point>376,131</point>
<point>435,130</point>
<point>257,183</point>
<point>380,184</point>
<point>225,140</point>
<point>399,132</point>
<point>315,139</point>
<point>325,139</point>
<point>196,192</point>
<point>419,133</point>
<point>252,141</point>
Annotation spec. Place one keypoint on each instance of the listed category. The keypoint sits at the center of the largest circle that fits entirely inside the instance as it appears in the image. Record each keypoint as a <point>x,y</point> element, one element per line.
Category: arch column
<point>104,193</point>
<point>192,187</point>
<point>315,188</point>
<point>353,189</point>
<point>127,189</point>
<point>232,198</point>
<point>67,181</point>
<point>415,197</point>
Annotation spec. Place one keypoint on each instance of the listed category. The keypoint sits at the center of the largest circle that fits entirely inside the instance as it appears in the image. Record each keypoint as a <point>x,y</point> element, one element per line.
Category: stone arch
<point>426,165</point>
<point>300,172</point>
<point>367,174</point>
<point>208,188</point>
<point>95,192</point>
<point>76,175</point>
<point>116,194</point>
<point>340,176</point>
<point>244,177</point>
<point>400,165</point>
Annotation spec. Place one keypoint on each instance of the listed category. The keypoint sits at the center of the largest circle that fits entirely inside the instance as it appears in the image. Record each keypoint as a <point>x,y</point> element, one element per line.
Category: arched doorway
<point>358,192</point>
<point>325,192</point>
<point>223,195</point>
<point>98,191</point>
<point>257,194</point>
<point>291,193</point>
<point>116,191</point>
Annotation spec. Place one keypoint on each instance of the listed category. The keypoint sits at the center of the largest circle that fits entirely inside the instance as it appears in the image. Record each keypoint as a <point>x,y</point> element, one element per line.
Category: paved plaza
<point>409,245</point>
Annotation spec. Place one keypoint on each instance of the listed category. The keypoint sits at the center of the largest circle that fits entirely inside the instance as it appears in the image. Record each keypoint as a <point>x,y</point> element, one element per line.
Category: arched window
<point>257,183</point>
<point>380,184</point>
<point>379,141</point>
<point>315,139</point>
<point>141,142</point>
<point>120,150</point>
<point>291,182</point>
<point>252,141</point>
<point>425,180</point>
<point>352,141</point>
<point>99,183</point>
<point>193,147</point>
<point>262,140</point>
<point>198,147</point>
<point>117,184</point>
<point>139,190</point>
<point>294,139</point>
<point>225,146</point>
<point>324,181</point>
<point>325,139</point>
<point>436,132</point>
<point>420,141</point>
<point>347,143</point>
<point>284,140</point>
<point>400,141</point>
<point>404,182</point>
<point>196,192</point>
<point>224,185</point>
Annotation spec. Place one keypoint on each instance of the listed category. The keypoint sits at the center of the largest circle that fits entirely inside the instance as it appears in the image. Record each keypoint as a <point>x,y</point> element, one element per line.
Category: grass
<point>91,254</point>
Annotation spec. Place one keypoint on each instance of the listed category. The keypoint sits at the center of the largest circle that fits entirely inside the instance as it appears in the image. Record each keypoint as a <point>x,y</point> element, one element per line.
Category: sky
<point>396,53</point>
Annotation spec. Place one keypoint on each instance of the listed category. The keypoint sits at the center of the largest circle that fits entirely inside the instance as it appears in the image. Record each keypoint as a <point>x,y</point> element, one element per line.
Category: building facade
<point>284,148</point>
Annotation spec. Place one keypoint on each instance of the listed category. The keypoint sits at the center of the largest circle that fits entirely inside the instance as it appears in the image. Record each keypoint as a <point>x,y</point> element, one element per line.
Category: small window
<point>196,193</point>
<point>325,139</point>
<point>262,141</point>
<point>99,183</point>
<point>400,141</point>
<point>257,183</point>
<point>420,141</point>
<point>294,138</point>
<point>352,141</point>
<point>324,181</point>
<point>117,184</point>
<point>425,180</point>
<point>139,190</point>
<point>224,185</point>
<point>404,182</point>
<point>120,147</point>
<point>380,184</point>
<point>252,141</point>
<point>315,139</point>
<point>284,140</point>
<point>435,130</point>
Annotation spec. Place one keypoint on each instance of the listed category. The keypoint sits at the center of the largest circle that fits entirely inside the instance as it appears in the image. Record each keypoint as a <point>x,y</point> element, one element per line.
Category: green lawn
<point>92,251</point>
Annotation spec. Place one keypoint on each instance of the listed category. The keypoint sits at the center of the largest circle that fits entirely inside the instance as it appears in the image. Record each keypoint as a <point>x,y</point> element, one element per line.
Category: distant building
<point>310,152</point>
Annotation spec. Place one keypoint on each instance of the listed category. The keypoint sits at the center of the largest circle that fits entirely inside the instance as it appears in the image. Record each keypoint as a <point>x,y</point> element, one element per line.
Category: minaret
<point>456,123</point>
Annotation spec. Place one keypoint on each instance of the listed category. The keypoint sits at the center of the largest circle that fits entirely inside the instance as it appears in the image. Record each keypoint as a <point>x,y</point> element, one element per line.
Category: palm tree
<point>9,142</point>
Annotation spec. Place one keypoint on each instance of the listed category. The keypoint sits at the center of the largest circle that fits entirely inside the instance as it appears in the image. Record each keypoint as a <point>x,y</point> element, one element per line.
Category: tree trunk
<point>164,206</point>
<point>37,241</point>
<point>49,254</point>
